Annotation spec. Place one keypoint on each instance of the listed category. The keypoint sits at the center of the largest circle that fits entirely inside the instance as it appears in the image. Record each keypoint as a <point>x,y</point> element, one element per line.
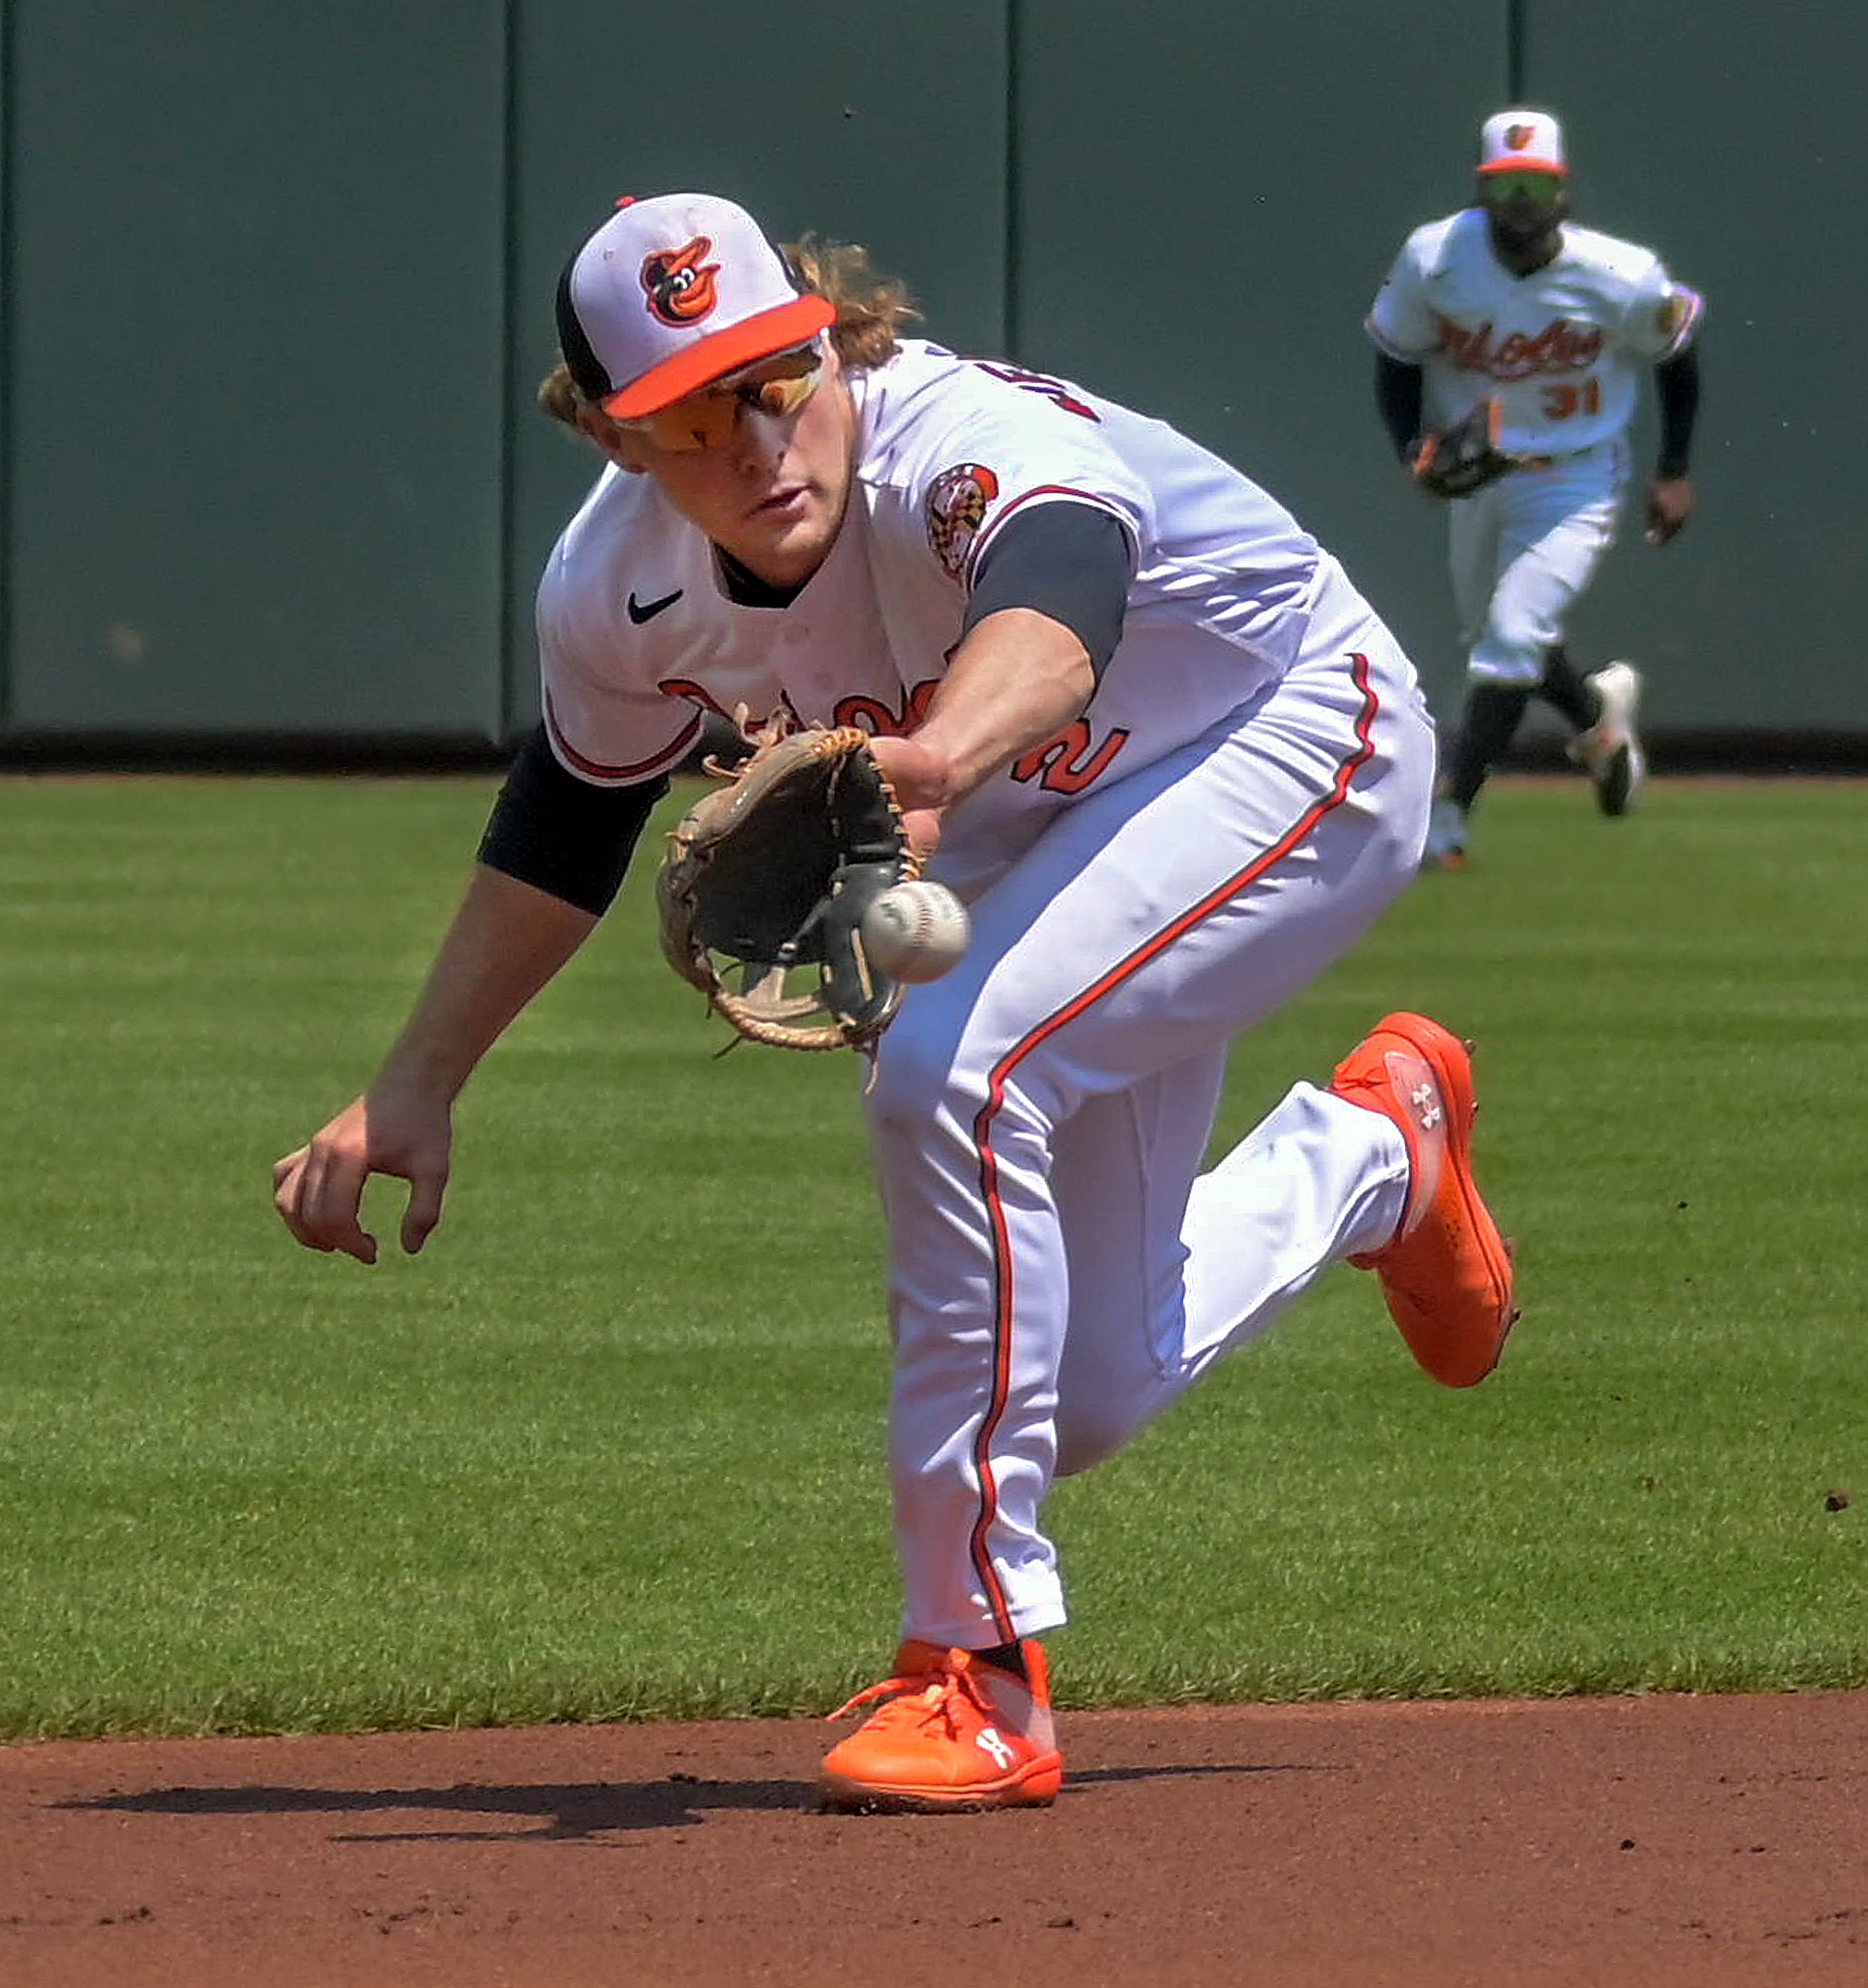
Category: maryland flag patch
<point>958,500</point>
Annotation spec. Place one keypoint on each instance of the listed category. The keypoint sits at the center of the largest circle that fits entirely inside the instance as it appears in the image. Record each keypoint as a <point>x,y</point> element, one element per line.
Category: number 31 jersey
<point>1561,349</point>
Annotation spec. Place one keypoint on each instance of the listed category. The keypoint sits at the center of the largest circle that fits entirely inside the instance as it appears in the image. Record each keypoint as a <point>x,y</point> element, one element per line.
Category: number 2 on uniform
<point>1572,397</point>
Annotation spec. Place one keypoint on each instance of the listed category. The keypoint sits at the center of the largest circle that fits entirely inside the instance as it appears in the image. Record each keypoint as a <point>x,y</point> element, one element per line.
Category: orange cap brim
<point>720,353</point>
<point>1555,171</point>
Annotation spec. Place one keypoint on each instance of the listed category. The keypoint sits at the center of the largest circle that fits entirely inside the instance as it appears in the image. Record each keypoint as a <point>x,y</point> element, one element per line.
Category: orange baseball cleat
<point>1447,1275</point>
<point>952,1733</point>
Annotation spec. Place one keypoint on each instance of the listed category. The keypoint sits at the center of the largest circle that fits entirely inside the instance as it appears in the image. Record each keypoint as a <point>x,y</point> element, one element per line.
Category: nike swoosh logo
<point>646,610</point>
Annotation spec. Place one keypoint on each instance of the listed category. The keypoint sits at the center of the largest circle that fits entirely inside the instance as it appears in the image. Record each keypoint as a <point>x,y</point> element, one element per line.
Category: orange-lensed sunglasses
<point>710,417</point>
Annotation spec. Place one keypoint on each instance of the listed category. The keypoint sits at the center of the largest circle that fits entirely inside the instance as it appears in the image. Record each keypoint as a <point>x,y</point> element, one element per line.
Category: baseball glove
<point>1466,456</point>
<point>772,873</point>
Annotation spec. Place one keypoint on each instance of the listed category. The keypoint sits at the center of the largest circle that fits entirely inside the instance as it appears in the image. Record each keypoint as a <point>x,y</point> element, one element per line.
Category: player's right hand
<point>1670,505</point>
<point>913,773</point>
<point>318,1189</point>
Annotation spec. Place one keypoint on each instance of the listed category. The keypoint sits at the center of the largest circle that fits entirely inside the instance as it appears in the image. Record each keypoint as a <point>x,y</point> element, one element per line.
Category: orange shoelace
<point>924,1698</point>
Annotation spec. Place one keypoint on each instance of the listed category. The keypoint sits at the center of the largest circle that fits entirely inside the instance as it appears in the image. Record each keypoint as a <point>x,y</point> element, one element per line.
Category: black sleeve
<point>1397,398</point>
<point>560,834</point>
<point>1072,562</point>
<point>1676,382</point>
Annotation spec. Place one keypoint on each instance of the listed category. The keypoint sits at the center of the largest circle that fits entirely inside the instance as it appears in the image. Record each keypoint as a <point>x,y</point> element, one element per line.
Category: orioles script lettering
<point>1560,347</point>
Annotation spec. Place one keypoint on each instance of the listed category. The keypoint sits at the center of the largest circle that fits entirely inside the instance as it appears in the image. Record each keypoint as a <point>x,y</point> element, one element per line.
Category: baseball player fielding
<point>1154,724</point>
<point>916,930</point>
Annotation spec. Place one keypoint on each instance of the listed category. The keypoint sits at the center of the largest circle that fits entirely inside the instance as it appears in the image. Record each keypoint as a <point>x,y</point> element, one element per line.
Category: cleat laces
<point>921,1700</point>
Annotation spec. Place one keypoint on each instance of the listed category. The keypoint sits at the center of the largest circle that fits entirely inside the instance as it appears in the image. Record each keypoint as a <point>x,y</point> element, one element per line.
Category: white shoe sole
<point>1619,770</point>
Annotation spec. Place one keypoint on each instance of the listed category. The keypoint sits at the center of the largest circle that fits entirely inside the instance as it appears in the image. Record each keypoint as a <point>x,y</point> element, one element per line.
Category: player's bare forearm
<point>1017,679</point>
<point>507,941</point>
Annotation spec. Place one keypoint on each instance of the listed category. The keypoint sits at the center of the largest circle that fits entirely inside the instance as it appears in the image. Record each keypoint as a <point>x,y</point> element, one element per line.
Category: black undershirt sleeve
<point>1397,398</point>
<point>560,834</point>
<point>1071,561</point>
<point>1677,384</point>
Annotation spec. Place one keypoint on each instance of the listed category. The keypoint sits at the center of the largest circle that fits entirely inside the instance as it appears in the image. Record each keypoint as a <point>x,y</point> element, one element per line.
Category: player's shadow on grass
<point>570,1813</point>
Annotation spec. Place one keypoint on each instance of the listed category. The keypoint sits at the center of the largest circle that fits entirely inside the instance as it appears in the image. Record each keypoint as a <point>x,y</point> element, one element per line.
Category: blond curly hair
<point>871,309</point>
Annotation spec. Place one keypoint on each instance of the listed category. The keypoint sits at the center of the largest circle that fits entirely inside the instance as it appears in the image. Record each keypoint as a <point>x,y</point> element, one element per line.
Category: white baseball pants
<point>1523,548</point>
<point>1060,1270</point>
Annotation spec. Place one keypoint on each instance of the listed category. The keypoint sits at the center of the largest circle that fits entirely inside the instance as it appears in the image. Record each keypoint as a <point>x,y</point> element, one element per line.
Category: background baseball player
<point>1170,758</point>
<point>1506,299</point>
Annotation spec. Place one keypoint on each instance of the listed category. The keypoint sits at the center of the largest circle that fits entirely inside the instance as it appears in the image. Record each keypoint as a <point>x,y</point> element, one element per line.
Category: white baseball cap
<point>672,292</point>
<point>1521,141</point>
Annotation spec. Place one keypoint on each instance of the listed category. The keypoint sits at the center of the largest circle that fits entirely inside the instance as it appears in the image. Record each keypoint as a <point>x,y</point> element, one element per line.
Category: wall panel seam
<point>6,363</point>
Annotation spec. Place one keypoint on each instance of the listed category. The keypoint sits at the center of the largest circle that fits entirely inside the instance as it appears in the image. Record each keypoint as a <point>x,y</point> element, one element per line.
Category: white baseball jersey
<point>1246,792</point>
<point>1563,349</point>
<point>638,634</point>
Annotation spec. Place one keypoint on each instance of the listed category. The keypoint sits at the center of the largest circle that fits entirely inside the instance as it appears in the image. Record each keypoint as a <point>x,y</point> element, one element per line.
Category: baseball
<point>916,930</point>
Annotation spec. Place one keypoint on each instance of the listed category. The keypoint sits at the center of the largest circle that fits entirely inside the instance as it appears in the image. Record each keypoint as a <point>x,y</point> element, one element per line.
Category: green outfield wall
<point>276,289</point>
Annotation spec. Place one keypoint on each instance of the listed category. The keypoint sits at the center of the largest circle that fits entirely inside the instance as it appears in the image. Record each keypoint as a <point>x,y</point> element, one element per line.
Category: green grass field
<point>612,1446</point>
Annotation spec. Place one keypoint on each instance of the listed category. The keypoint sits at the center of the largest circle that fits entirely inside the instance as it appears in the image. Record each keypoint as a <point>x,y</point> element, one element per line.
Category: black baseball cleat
<point>1609,751</point>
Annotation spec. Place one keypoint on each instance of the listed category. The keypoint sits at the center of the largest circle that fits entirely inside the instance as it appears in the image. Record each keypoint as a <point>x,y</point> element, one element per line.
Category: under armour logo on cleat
<point>990,1742</point>
<point>1425,1098</point>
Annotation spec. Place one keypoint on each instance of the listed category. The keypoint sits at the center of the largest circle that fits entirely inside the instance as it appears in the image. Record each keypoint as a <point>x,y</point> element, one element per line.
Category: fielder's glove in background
<point>773,873</point>
<point>1465,457</point>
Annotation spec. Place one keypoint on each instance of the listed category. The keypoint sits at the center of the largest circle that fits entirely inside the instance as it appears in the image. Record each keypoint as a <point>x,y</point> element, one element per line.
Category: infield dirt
<point>1641,1842</point>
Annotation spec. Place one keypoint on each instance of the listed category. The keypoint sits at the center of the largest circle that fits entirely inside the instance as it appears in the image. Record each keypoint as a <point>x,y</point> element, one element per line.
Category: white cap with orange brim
<point>1521,141</point>
<point>671,293</point>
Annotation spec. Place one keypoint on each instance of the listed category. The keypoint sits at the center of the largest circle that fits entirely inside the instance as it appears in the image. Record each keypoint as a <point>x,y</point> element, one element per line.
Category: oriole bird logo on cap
<point>681,288</point>
<point>1519,136</point>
